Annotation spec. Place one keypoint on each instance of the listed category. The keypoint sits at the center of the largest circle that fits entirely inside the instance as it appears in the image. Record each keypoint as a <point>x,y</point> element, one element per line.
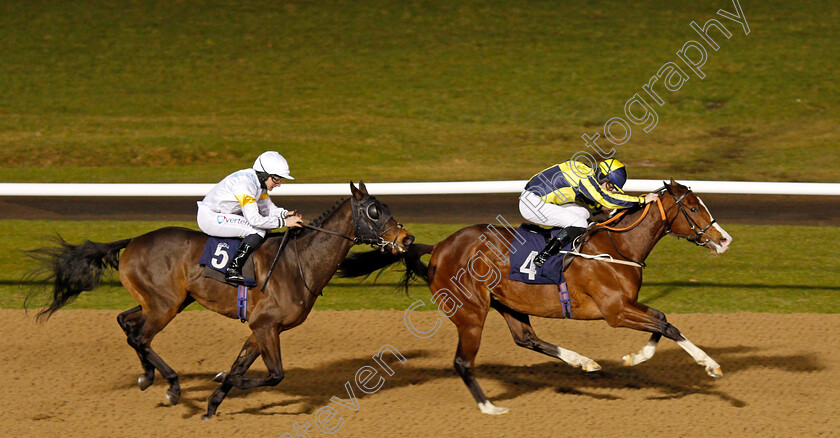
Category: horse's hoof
<point>627,360</point>
<point>714,372</point>
<point>591,366</point>
<point>219,377</point>
<point>172,397</point>
<point>488,408</point>
<point>206,417</point>
<point>144,382</point>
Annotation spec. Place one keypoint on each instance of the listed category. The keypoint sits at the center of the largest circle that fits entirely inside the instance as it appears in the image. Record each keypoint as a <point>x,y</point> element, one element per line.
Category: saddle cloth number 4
<point>529,267</point>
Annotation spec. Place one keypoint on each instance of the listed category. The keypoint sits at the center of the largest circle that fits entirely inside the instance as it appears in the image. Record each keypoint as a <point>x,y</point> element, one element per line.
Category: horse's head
<point>373,223</point>
<point>693,221</point>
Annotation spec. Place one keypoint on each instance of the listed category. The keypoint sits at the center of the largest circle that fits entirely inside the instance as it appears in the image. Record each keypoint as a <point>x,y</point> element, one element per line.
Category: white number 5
<point>218,262</point>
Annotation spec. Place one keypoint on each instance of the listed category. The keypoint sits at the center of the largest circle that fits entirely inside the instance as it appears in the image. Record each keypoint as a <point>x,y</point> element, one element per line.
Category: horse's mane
<point>323,217</point>
<point>635,208</point>
<point>297,232</point>
<point>629,212</point>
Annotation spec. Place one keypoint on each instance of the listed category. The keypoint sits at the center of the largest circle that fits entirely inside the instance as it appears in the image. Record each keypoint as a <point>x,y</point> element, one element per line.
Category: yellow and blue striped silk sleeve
<point>608,200</point>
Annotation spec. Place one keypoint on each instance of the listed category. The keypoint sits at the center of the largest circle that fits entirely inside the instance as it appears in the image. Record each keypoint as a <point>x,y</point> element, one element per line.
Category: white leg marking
<point>488,408</point>
<point>577,360</point>
<point>644,354</point>
<point>700,356</point>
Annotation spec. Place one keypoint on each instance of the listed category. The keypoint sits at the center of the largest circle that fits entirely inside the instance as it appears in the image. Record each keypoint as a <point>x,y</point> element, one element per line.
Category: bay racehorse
<point>468,275</point>
<point>160,269</point>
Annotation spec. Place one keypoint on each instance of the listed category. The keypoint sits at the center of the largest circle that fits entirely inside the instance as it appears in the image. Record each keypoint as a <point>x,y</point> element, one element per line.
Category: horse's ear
<point>668,187</point>
<point>356,192</point>
<point>673,183</point>
<point>363,188</point>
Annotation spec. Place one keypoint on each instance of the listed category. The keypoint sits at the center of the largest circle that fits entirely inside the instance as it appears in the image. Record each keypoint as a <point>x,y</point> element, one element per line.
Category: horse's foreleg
<point>639,317</point>
<point>249,353</point>
<point>644,354</point>
<point>649,349</point>
<point>268,341</point>
<point>264,341</point>
<point>524,336</point>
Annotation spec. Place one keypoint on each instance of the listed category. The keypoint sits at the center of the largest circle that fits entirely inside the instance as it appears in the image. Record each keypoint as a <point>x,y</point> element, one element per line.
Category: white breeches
<point>535,210</point>
<point>225,224</point>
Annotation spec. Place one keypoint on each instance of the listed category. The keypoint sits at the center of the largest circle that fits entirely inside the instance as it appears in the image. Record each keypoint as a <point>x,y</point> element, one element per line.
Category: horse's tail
<point>71,270</point>
<point>365,263</point>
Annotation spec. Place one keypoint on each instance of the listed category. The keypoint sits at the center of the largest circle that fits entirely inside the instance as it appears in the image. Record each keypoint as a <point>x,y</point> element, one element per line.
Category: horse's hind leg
<point>130,321</point>
<point>470,326</point>
<point>141,326</point>
<point>639,317</point>
<point>524,336</point>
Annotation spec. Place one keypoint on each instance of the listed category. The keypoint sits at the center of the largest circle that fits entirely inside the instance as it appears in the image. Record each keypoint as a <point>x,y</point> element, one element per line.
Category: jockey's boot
<point>249,244</point>
<point>561,239</point>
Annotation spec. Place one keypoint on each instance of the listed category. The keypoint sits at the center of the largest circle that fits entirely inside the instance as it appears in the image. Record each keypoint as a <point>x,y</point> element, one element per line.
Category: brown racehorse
<point>160,269</point>
<point>467,280</point>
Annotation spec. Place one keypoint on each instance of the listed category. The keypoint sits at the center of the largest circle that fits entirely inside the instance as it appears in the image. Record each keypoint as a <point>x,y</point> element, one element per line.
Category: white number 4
<point>529,267</point>
<point>221,257</point>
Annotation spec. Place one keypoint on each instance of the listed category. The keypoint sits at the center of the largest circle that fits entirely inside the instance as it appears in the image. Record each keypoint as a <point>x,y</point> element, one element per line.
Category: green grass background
<point>761,273</point>
<point>187,91</point>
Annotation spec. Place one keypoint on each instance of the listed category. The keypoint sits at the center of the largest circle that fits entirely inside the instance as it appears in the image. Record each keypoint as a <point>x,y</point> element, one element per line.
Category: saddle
<point>547,233</point>
<point>216,257</point>
<point>530,241</point>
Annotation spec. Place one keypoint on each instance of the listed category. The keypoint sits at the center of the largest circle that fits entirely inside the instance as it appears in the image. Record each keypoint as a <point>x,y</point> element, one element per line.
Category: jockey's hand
<point>293,219</point>
<point>651,197</point>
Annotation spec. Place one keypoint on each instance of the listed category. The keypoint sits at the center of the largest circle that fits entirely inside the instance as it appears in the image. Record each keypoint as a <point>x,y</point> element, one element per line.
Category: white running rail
<point>411,188</point>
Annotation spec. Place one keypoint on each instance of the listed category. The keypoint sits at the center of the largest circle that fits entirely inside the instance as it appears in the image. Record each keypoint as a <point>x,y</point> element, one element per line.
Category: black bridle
<point>699,238</point>
<point>369,220</point>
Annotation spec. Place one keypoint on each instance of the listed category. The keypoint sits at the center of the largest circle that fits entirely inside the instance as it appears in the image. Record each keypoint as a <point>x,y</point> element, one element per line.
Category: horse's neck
<point>321,253</point>
<point>638,242</point>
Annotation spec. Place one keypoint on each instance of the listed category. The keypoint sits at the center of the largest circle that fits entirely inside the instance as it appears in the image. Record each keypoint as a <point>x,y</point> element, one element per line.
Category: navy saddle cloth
<point>218,252</point>
<point>522,267</point>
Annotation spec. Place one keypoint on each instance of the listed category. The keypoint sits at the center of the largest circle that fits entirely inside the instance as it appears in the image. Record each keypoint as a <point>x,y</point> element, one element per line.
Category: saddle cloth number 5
<point>220,258</point>
<point>529,267</point>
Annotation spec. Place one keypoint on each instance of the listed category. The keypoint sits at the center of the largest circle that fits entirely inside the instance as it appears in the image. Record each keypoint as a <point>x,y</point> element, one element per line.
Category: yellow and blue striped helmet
<point>613,171</point>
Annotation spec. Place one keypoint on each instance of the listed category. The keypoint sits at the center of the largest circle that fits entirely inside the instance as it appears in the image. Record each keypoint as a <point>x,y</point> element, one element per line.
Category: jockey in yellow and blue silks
<point>563,194</point>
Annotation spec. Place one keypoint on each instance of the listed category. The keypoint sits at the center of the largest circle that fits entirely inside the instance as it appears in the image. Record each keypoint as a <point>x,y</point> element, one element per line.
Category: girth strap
<point>565,300</point>
<point>242,302</point>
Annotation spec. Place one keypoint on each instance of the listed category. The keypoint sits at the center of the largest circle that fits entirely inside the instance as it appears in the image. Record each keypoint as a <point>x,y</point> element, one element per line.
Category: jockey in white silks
<point>563,194</point>
<point>239,206</point>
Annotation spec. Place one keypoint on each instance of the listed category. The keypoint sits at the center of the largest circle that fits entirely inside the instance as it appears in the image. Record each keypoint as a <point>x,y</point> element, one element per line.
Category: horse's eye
<point>373,211</point>
<point>693,209</point>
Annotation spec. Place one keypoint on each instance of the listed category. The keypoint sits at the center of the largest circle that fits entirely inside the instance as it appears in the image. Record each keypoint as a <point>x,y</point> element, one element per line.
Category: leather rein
<point>362,234</point>
<point>699,238</point>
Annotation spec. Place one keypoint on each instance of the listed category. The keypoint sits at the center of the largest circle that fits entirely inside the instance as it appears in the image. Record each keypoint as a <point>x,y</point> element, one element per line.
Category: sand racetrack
<point>76,376</point>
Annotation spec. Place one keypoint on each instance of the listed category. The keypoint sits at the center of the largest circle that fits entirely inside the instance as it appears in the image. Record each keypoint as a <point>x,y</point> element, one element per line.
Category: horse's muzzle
<point>408,240</point>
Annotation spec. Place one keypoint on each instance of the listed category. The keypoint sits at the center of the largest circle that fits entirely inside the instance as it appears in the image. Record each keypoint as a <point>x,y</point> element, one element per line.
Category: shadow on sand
<point>671,373</point>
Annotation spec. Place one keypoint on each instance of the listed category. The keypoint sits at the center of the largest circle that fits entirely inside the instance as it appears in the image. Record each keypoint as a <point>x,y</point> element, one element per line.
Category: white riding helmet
<point>272,163</point>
